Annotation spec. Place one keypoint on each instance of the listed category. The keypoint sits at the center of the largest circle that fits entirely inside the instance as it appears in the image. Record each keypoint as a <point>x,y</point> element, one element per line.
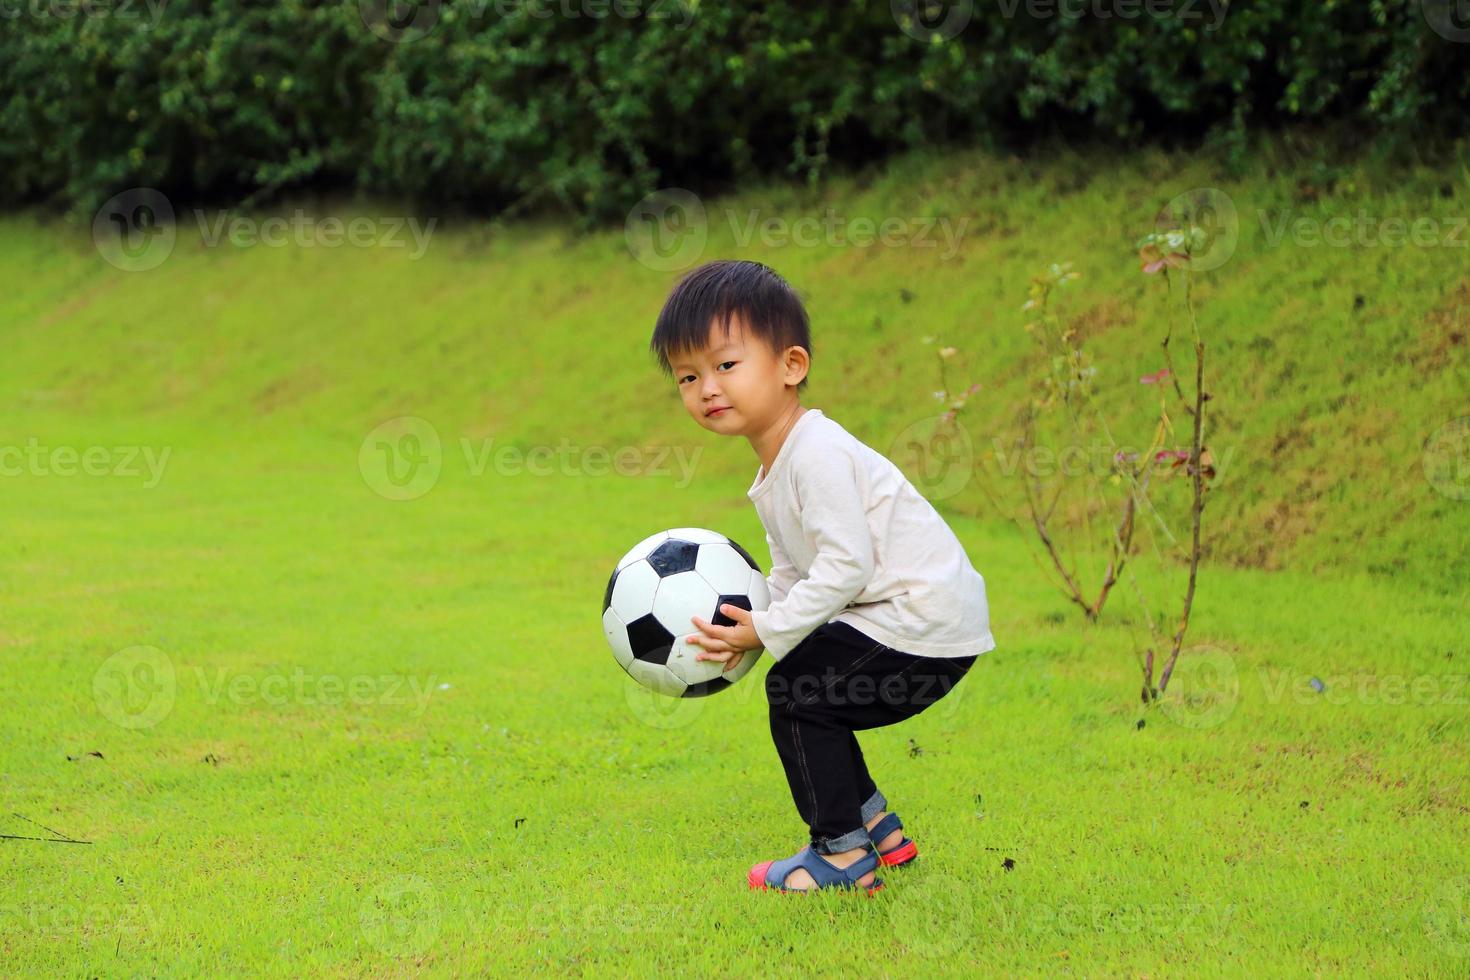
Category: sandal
<point>895,857</point>
<point>771,875</point>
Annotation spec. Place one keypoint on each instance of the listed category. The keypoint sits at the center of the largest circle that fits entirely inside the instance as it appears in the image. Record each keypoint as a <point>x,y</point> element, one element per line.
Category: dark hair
<point>712,292</point>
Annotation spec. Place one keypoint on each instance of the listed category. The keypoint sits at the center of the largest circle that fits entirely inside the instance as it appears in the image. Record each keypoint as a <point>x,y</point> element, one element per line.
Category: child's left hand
<point>726,644</point>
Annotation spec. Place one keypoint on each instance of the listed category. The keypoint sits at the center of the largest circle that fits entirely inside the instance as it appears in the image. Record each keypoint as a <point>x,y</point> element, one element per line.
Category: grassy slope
<point>1331,365</point>
<point>1254,825</point>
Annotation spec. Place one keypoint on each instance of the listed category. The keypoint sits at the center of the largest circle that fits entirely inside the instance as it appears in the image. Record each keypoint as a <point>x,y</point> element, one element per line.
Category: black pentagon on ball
<point>746,555</point>
<point>607,596</point>
<point>706,688</point>
<point>720,619</point>
<point>649,640</point>
<point>673,556</point>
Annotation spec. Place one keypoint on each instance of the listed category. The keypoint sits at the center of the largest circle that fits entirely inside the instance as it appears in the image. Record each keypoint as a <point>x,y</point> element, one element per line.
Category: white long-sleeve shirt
<point>852,540</point>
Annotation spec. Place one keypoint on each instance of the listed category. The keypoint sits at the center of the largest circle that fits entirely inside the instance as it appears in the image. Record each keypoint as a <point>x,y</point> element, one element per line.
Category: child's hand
<point>726,644</point>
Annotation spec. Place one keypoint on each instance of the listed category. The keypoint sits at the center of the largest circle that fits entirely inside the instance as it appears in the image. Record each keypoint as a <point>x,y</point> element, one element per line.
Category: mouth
<point>717,412</point>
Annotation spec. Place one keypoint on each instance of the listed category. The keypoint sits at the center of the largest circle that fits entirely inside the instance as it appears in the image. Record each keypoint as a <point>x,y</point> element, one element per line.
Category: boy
<point>876,612</point>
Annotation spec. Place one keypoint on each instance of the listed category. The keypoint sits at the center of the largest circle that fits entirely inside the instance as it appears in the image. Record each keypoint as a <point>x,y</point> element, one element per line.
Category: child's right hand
<point>735,657</point>
<point>731,658</point>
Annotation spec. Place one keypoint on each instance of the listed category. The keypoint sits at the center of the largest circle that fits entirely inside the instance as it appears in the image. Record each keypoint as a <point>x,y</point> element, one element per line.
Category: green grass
<point>484,793</point>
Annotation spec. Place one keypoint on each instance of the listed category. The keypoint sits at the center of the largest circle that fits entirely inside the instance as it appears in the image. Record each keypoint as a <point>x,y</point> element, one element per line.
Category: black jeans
<point>835,682</point>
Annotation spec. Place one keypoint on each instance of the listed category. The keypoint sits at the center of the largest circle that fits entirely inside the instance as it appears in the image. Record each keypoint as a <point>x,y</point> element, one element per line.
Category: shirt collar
<point>763,481</point>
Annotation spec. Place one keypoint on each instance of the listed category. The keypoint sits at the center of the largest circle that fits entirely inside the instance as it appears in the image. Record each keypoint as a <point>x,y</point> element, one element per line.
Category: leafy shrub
<point>498,106</point>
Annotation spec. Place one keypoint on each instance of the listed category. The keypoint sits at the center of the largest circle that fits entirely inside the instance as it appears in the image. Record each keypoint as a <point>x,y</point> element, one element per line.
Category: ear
<point>798,362</point>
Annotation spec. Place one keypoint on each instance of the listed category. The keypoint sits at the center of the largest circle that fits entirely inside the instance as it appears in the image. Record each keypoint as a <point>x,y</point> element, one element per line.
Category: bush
<point>498,107</point>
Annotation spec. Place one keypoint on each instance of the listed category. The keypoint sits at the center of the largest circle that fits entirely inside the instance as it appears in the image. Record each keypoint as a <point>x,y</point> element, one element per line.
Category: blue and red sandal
<point>895,857</point>
<point>771,875</point>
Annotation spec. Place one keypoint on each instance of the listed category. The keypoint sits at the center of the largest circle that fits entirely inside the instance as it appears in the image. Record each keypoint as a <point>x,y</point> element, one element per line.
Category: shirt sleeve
<point>835,519</point>
<point>783,572</point>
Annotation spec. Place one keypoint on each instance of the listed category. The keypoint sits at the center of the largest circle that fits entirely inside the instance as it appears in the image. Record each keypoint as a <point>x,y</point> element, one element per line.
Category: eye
<point>727,362</point>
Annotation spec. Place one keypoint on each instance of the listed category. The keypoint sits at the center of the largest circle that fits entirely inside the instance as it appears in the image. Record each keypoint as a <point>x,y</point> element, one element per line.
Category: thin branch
<point>1072,592</point>
<point>1122,541</point>
<point>1168,357</point>
<point>46,840</point>
<point>1197,465</point>
<point>59,837</point>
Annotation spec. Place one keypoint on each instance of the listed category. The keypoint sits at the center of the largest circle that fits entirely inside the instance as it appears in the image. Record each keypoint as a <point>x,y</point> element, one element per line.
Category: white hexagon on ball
<point>724,569</point>
<point>680,598</point>
<point>658,679</point>
<point>758,592</point>
<point>617,637</point>
<point>631,591</point>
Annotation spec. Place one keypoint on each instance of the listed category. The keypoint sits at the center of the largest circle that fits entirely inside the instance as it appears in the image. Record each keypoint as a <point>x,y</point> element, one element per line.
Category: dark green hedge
<point>498,106</point>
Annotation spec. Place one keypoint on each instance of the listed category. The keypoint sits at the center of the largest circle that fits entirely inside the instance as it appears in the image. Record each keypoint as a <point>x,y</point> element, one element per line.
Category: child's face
<point>739,374</point>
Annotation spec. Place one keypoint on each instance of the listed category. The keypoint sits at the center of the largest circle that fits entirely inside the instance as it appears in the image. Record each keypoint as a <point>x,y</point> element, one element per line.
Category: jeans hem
<point>875,805</point>
<point>847,842</point>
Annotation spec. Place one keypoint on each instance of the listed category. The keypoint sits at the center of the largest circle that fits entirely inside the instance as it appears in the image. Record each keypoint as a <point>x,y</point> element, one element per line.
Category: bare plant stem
<point>1196,452</point>
<point>1038,520</point>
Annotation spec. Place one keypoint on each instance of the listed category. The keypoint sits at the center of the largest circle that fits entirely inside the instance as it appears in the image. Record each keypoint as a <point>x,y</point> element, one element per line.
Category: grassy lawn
<point>309,729</point>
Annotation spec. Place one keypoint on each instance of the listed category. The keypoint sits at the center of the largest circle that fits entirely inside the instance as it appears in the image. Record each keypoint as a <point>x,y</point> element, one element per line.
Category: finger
<point>722,656</point>
<point>738,613</point>
<point>710,643</point>
<point>734,662</point>
<point>709,629</point>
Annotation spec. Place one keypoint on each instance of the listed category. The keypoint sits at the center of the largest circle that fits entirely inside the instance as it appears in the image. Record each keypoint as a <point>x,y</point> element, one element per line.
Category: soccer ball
<point>658,585</point>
